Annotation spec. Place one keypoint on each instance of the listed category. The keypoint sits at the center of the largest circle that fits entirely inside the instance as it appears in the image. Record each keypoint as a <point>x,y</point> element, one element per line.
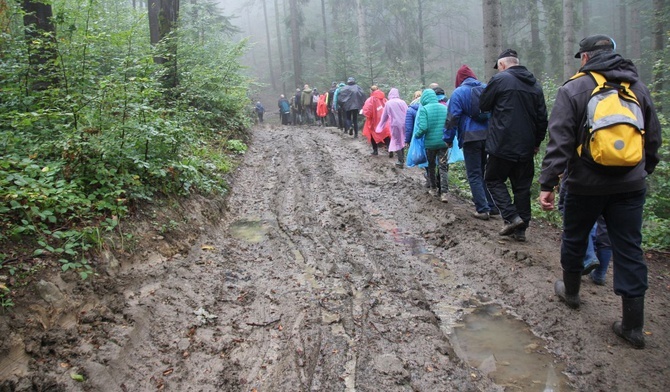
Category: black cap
<point>506,53</point>
<point>594,42</point>
<point>351,80</point>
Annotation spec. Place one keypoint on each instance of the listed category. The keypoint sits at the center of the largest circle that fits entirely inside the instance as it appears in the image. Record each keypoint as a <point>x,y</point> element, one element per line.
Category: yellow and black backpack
<point>614,128</point>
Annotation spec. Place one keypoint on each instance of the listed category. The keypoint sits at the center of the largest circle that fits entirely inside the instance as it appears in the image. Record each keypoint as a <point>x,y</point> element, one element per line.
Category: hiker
<point>394,114</point>
<point>517,126</point>
<point>372,110</point>
<point>259,109</point>
<point>296,107</point>
<point>350,98</point>
<point>431,117</point>
<point>284,109</point>
<point>306,102</point>
<point>595,189</point>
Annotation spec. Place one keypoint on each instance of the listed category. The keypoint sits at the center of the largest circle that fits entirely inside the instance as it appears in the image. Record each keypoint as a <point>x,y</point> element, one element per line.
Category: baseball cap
<point>506,53</point>
<point>595,42</point>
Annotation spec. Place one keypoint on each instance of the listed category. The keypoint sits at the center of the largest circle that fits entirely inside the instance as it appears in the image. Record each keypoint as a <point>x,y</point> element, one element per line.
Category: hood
<point>463,73</point>
<point>393,94</point>
<point>612,66</point>
<point>378,94</point>
<point>522,73</point>
<point>341,84</point>
<point>428,96</point>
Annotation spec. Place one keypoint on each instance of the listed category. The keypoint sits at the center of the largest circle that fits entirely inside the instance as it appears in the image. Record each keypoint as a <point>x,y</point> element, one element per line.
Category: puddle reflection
<point>503,348</point>
<point>248,230</point>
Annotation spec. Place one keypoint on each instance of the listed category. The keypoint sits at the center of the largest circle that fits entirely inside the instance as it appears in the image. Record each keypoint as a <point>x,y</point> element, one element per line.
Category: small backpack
<point>474,112</point>
<point>614,127</point>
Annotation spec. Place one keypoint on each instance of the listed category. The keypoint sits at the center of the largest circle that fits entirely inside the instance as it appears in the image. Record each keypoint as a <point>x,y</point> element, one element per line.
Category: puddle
<point>503,348</point>
<point>250,230</point>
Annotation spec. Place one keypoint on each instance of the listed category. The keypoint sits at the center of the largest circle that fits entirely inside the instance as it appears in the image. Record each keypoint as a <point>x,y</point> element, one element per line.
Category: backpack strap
<point>622,87</point>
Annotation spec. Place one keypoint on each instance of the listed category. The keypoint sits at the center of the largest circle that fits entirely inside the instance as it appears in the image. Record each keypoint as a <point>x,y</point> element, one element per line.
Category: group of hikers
<point>604,137</point>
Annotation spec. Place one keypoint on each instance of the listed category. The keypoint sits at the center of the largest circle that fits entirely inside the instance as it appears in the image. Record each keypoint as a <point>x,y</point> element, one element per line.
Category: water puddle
<point>249,230</point>
<point>503,348</point>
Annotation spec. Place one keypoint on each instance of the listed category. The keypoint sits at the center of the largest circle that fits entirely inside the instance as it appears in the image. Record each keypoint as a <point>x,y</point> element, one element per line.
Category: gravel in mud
<point>331,270</point>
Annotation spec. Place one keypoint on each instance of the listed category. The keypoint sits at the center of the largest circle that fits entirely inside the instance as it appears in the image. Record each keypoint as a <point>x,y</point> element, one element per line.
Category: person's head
<point>258,103</point>
<point>417,95</point>
<point>306,87</point>
<point>281,96</point>
<point>441,95</point>
<point>297,90</point>
<point>351,80</point>
<point>374,88</point>
<point>463,73</point>
<point>432,86</point>
<point>508,58</point>
<point>594,45</point>
<point>334,84</point>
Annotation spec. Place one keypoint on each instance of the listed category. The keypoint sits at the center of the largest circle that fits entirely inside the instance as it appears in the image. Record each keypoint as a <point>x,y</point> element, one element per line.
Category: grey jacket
<point>566,128</point>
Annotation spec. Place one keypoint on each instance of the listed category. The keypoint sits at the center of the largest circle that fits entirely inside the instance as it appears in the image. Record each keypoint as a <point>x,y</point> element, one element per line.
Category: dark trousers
<point>623,214</point>
<point>284,118</point>
<point>474,155</point>
<point>438,159</point>
<point>331,118</point>
<point>520,175</point>
<point>352,120</point>
<point>375,145</point>
<point>340,119</point>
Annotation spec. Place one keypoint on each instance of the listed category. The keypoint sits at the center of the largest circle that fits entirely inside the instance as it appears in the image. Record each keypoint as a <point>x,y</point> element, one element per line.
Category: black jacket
<point>518,122</point>
<point>566,128</point>
<point>351,97</point>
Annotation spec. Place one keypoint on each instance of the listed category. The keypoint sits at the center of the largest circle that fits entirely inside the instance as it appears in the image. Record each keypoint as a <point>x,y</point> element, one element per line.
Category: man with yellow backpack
<point>604,129</point>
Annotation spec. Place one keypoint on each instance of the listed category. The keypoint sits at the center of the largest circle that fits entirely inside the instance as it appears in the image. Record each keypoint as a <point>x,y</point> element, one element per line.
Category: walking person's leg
<point>432,180</point>
<point>443,172</point>
<point>472,156</point>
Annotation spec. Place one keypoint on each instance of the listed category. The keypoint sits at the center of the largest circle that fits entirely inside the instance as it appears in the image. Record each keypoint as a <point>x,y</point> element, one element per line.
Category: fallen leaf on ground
<point>77,377</point>
<point>208,247</point>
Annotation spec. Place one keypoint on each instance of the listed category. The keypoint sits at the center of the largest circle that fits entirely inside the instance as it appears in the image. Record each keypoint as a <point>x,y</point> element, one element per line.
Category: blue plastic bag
<point>455,153</point>
<point>416,154</point>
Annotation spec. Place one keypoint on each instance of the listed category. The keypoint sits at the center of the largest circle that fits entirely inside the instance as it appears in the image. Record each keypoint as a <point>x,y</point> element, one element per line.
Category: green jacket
<point>432,116</point>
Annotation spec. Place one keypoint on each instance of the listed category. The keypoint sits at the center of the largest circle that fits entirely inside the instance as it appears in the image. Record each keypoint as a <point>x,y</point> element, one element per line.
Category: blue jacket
<point>459,122</point>
<point>410,116</point>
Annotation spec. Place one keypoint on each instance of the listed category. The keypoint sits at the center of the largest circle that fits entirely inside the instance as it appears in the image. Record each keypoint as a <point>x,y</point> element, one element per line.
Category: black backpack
<point>474,112</point>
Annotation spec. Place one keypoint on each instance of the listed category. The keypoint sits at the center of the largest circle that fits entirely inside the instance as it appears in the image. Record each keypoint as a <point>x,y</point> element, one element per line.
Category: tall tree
<point>163,16</point>
<point>568,39</point>
<point>492,35</point>
<point>325,34</point>
<point>623,26</point>
<point>279,47</point>
<point>269,45</point>
<point>658,46</point>
<point>362,31</point>
<point>635,30</point>
<point>295,16</point>
<point>41,38</point>
<point>536,53</point>
<point>422,55</point>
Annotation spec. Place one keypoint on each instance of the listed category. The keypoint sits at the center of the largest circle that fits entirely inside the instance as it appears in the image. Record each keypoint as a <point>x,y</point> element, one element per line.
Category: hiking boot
<point>444,198</point>
<point>630,326</point>
<point>519,235</point>
<point>481,215</point>
<point>390,154</point>
<point>494,213</point>
<point>590,266</point>
<point>374,153</point>
<point>351,132</point>
<point>432,192</point>
<point>510,227</point>
<point>568,289</point>
<point>399,165</point>
<point>596,280</point>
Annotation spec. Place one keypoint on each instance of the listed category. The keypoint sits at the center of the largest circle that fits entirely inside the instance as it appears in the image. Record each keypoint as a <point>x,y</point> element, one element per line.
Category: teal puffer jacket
<point>432,116</point>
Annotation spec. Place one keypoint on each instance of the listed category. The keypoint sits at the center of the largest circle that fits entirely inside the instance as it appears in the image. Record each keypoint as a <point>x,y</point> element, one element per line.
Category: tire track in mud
<point>334,271</point>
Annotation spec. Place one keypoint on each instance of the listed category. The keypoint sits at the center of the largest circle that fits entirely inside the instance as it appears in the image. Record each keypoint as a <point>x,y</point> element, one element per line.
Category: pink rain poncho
<point>394,113</point>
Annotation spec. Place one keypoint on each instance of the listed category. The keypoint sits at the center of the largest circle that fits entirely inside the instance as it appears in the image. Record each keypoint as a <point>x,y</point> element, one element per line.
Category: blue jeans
<point>474,155</point>
<point>623,214</point>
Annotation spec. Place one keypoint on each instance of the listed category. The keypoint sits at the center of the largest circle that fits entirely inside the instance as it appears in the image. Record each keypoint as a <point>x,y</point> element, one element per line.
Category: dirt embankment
<point>331,270</point>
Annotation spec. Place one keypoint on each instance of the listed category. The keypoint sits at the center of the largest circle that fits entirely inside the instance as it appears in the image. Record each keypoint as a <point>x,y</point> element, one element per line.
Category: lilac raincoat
<point>394,111</point>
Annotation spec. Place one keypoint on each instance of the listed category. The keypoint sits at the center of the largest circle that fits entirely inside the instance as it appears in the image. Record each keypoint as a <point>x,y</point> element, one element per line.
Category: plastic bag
<point>416,154</point>
<point>455,153</point>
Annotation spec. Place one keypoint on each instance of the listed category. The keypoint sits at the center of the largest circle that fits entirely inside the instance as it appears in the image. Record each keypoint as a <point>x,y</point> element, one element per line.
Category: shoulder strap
<point>622,87</point>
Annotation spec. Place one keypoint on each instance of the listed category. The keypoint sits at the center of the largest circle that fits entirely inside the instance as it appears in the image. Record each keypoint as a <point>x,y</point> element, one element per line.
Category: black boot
<point>630,326</point>
<point>568,288</point>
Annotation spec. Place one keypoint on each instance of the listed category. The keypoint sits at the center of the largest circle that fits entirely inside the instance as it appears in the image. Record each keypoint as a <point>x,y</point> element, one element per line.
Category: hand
<point>547,200</point>
<point>535,150</point>
<point>449,145</point>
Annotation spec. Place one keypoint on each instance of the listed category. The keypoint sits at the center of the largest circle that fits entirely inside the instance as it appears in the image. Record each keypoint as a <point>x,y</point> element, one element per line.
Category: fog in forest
<point>411,43</point>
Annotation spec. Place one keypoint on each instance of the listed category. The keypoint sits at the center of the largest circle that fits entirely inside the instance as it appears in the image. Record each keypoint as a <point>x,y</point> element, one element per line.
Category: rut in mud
<point>335,271</point>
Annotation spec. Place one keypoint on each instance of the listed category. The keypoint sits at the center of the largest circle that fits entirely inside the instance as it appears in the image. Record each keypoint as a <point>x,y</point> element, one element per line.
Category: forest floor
<point>327,269</point>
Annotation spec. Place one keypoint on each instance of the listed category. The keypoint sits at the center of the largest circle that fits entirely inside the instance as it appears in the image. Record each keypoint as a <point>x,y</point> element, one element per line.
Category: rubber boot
<point>630,326</point>
<point>568,288</point>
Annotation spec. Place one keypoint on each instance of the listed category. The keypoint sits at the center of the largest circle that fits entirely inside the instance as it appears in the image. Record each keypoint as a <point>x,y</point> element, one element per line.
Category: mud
<point>332,270</point>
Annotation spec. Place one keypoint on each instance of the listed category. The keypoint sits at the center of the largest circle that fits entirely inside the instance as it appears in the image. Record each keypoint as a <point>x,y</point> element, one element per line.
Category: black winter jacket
<point>566,128</point>
<point>518,122</point>
<point>351,97</point>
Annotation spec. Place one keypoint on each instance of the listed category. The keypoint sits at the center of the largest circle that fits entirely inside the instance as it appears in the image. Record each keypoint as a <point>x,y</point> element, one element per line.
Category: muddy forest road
<point>332,270</point>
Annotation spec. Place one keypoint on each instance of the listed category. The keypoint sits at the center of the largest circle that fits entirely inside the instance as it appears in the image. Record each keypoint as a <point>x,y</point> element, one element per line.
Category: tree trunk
<point>569,66</point>
<point>41,38</point>
<point>325,35</point>
<point>269,44</point>
<point>536,54</point>
<point>163,16</point>
<point>422,60</point>
<point>362,32</point>
<point>658,41</point>
<point>279,47</point>
<point>295,43</point>
<point>635,33</point>
<point>492,35</point>
<point>623,28</point>
<point>586,17</point>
